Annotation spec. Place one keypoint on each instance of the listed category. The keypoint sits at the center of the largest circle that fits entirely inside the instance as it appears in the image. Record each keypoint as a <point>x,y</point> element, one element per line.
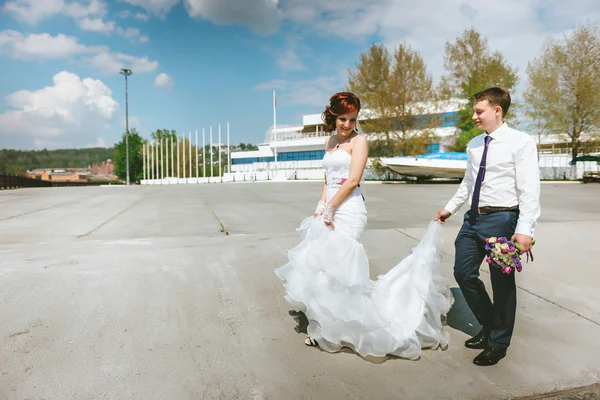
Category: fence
<point>16,182</point>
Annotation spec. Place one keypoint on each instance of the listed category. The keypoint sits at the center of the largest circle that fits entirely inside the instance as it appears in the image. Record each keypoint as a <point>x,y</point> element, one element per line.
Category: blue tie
<point>480,175</point>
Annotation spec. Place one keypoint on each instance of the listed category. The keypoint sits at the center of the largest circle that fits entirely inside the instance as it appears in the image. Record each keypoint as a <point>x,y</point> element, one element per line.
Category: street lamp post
<point>126,72</point>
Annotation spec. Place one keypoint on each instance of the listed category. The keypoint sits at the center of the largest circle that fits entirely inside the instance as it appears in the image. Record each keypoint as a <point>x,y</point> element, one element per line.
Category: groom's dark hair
<point>496,97</point>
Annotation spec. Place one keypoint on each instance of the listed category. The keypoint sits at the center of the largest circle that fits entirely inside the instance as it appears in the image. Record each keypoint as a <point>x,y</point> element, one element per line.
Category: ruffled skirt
<point>399,313</point>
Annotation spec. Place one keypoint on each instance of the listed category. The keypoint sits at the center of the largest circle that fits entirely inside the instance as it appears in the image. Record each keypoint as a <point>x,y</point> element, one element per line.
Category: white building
<point>297,151</point>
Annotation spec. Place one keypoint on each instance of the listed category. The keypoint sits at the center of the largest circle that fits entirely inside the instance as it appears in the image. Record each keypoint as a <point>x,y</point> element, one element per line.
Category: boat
<point>446,165</point>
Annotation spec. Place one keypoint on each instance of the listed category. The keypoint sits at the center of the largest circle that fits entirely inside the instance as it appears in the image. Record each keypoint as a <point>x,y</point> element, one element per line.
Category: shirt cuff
<point>524,228</point>
<point>452,207</point>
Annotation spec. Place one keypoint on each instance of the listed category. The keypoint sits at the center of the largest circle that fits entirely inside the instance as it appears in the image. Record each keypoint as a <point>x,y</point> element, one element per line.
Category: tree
<point>563,93</point>
<point>411,89</point>
<point>167,134</point>
<point>18,161</point>
<point>472,67</point>
<point>398,94</point>
<point>135,157</point>
<point>371,83</point>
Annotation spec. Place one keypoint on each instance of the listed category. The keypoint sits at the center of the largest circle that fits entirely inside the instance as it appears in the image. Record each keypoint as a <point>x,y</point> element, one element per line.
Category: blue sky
<point>199,63</point>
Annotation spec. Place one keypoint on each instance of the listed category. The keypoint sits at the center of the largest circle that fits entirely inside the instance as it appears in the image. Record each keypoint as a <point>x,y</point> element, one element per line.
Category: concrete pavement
<point>169,292</point>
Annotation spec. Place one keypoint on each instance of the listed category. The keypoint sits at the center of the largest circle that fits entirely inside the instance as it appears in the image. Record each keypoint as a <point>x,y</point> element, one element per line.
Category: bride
<point>327,276</point>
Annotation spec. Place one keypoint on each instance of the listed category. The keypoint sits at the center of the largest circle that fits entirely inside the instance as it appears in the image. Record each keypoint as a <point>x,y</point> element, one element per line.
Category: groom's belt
<point>492,209</point>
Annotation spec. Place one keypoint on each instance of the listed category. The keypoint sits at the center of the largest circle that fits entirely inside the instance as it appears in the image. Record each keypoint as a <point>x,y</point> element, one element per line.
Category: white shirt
<point>512,176</point>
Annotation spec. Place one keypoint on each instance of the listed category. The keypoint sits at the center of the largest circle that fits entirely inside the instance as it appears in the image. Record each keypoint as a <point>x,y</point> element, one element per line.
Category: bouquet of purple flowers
<point>504,254</point>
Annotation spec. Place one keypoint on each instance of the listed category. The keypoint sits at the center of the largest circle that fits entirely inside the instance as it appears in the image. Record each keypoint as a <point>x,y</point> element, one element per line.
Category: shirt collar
<point>499,133</point>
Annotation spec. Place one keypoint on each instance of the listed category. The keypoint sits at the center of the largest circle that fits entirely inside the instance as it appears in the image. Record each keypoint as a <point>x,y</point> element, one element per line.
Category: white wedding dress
<point>327,278</point>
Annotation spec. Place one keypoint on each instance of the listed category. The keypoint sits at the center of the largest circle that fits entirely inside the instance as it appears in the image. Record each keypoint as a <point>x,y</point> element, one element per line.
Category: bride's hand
<point>328,217</point>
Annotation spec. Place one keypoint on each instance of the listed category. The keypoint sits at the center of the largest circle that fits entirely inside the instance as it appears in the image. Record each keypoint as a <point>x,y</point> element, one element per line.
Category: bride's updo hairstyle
<point>339,104</point>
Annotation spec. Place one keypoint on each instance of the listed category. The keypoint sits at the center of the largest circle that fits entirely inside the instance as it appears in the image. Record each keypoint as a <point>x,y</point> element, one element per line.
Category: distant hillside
<point>19,161</point>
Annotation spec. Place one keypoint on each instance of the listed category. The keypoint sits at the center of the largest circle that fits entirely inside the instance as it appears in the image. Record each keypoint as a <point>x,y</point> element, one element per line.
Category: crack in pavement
<point>223,227</point>
<point>47,208</point>
<point>110,219</point>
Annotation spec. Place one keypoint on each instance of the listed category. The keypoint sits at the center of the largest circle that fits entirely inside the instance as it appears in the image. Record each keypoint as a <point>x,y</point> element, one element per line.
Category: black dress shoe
<point>478,341</point>
<point>489,356</point>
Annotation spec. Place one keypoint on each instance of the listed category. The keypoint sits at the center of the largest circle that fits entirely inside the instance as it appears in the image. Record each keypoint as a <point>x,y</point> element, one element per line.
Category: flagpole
<point>203,153</point>
<point>219,155</point>
<point>157,145</point>
<point>183,154</point>
<point>190,153</point>
<point>154,161</point>
<point>275,125</point>
<point>197,163</point>
<point>172,158</point>
<point>162,159</point>
<point>211,153</point>
<point>178,168</point>
<point>166,140</point>
<point>228,152</point>
<point>144,160</point>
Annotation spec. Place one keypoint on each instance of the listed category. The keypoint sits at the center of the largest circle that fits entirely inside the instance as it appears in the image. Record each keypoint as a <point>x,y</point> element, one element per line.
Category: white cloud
<point>111,63</point>
<point>33,11</point>
<point>45,46</point>
<point>275,84</point>
<point>89,15</point>
<point>70,112</point>
<point>310,92</point>
<point>41,45</point>
<point>100,142</point>
<point>84,9</point>
<point>156,7</point>
<point>96,25</point>
<point>100,26</point>
<point>517,28</point>
<point>290,61</point>
<point>262,16</point>
<point>163,79</point>
<point>141,17</point>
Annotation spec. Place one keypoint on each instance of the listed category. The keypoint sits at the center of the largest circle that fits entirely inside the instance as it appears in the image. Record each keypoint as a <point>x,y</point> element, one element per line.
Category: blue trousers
<point>498,317</point>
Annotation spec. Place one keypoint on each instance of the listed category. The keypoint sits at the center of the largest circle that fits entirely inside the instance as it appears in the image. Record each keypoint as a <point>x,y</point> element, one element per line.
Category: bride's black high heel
<point>310,342</point>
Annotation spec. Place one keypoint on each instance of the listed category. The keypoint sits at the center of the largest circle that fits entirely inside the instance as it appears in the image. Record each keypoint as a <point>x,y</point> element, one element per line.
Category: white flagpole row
<point>156,158</point>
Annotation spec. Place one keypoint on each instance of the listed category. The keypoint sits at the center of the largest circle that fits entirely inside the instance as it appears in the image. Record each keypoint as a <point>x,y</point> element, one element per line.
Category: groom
<point>502,185</point>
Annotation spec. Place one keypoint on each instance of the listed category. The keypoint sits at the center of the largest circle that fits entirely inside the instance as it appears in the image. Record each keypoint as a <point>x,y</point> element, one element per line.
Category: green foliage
<point>135,157</point>
<point>394,90</point>
<point>563,95</point>
<point>472,67</point>
<point>167,134</point>
<point>19,161</point>
<point>247,147</point>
